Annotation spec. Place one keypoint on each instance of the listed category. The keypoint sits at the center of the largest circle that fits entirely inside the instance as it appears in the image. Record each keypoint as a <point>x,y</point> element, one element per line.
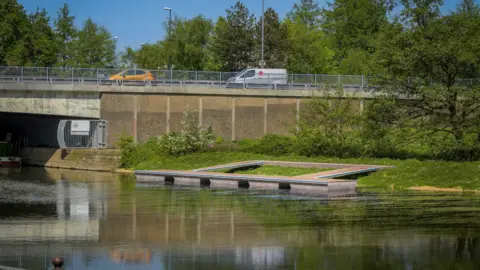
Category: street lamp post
<point>169,36</point>
<point>115,39</point>
<point>262,62</point>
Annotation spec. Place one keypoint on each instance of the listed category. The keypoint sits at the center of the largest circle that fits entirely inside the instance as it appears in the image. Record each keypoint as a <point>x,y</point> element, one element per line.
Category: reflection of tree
<point>467,245</point>
<point>392,231</point>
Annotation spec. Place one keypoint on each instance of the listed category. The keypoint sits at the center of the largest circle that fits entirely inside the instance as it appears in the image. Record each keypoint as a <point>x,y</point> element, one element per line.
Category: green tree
<point>189,43</point>
<point>309,50</point>
<point>306,12</point>
<point>153,56</point>
<point>276,40</point>
<point>420,12</point>
<point>13,25</point>
<point>432,60</point>
<point>128,58</point>
<point>65,33</point>
<point>233,43</point>
<point>468,7</point>
<point>94,47</point>
<point>352,25</point>
<point>40,41</point>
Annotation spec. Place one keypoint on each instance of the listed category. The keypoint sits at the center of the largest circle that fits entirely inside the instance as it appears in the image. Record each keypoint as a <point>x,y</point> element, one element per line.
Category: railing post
<point>22,73</point>
<point>339,79</point>
<point>221,81</point>
<point>72,74</point>
<point>362,81</point>
<point>315,79</point>
<point>196,76</point>
<point>97,75</point>
<point>47,75</point>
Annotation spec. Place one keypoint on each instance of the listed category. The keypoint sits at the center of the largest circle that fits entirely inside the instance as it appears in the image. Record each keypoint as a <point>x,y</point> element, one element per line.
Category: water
<point>104,221</point>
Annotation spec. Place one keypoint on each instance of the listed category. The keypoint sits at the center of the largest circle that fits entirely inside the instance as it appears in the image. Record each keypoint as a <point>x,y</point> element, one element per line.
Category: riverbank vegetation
<point>336,135</point>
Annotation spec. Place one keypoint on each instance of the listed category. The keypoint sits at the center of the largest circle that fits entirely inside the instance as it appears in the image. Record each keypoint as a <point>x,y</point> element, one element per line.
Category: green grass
<point>279,171</point>
<point>407,173</point>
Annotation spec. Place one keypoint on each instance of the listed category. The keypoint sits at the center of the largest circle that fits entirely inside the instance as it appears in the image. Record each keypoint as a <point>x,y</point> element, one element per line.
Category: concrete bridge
<point>33,108</point>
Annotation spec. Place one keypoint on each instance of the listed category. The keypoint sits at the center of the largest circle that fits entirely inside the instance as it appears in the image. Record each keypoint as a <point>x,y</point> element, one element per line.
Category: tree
<point>309,50</point>
<point>189,43</point>
<point>432,61</point>
<point>468,7</point>
<point>233,43</point>
<point>128,58</point>
<point>40,41</point>
<point>276,40</point>
<point>352,25</point>
<point>65,34</point>
<point>153,56</point>
<point>94,47</point>
<point>307,12</point>
<point>13,25</point>
<point>420,12</point>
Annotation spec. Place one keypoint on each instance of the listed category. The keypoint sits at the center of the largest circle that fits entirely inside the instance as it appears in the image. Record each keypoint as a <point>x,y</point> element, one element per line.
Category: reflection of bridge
<point>78,210</point>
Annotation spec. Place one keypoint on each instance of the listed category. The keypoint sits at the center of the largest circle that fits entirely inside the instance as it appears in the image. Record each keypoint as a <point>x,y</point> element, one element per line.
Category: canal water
<point>107,221</point>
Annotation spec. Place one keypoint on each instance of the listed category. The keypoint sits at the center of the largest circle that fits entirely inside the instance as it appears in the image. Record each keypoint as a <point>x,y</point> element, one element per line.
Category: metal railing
<point>103,76</point>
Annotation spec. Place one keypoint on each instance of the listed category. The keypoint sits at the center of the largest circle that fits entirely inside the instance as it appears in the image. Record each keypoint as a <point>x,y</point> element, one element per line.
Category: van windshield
<point>241,72</point>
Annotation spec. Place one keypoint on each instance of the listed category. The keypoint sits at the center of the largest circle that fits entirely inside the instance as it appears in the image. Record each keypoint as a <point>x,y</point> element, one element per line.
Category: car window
<point>140,72</point>
<point>129,72</point>
<point>250,74</point>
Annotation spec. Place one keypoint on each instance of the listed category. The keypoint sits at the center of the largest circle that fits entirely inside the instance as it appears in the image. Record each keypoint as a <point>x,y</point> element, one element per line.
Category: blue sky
<point>139,21</point>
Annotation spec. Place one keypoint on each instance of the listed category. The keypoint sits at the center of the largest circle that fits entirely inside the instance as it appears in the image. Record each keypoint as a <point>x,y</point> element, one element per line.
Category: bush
<point>191,139</point>
<point>133,154</point>
<point>271,144</point>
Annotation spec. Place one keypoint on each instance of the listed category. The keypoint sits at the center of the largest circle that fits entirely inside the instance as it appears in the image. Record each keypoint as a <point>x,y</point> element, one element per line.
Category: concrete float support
<point>223,183</point>
<point>263,185</point>
<point>187,181</point>
<point>342,186</point>
<point>308,189</point>
<point>150,178</point>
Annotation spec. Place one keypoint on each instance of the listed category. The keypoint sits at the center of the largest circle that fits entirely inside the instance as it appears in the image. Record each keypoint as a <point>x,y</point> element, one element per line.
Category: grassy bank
<point>406,174</point>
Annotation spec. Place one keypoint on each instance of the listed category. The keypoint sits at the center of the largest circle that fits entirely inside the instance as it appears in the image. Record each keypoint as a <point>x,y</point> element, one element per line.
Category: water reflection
<point>104,221</point>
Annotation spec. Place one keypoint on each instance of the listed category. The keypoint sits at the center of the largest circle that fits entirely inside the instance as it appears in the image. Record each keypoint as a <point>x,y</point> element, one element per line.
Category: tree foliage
<point>432,60</point>
<point>276,43</point>
<point>65,34</point>
<point>94,46</point>
<point>233,44</point>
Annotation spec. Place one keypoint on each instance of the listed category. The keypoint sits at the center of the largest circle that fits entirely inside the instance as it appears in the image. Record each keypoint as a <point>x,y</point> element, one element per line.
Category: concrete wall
<point>73,104</point>
<point>78,159</point>
<point>142,112</point>
<point>232,118</point>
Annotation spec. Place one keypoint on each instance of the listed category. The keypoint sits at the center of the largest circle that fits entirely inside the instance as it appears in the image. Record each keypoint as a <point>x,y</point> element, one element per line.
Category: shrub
<point>191,139</point>
<point>133,154</point>
<point>271,144</point>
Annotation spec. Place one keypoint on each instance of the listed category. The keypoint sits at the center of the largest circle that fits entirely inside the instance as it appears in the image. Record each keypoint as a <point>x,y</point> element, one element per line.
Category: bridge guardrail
<point>101,76</point>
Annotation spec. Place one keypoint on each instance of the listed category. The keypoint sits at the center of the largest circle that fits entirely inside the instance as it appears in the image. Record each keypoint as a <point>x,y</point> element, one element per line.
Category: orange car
<point>134,75</point>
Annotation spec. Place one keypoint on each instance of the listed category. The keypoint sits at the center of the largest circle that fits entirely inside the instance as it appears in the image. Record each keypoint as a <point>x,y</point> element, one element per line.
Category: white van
<point>260,76</point>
